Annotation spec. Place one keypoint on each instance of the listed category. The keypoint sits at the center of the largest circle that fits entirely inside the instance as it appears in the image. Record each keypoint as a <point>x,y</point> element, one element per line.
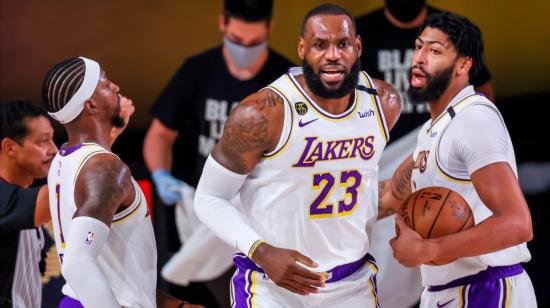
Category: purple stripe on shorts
<point>490,274</point>
<point>242,283</point>
<point>68,302</point>
<point>484,294</point>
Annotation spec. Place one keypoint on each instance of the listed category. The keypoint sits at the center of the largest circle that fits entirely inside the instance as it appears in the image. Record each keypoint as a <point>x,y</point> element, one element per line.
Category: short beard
<point>117,121</point>
<point>434,88</point>
<point>316,86</point>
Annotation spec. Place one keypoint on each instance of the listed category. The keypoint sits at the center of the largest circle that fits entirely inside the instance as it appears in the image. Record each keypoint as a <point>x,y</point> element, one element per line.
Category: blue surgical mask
<point>243,56</point>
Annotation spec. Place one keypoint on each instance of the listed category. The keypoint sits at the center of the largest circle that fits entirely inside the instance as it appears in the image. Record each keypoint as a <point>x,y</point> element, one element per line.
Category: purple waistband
<point>68,302</point>
<point>335,274</point>
<point>491,273</point>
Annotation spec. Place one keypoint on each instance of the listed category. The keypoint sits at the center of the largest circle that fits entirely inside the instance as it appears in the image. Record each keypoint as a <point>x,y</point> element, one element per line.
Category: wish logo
<point>366,113</point>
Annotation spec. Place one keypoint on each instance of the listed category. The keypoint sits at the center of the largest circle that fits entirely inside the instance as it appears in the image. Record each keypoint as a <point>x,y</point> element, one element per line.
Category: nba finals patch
<point>301,108</point>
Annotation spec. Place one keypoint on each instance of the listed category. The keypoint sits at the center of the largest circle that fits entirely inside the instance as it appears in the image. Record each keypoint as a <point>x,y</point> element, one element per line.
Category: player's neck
<point>12,174</point>
<point>438,106</point>
<point>245,73</point>
<point>91,133</point>
<point>330,105</point>
<point>415,23</point>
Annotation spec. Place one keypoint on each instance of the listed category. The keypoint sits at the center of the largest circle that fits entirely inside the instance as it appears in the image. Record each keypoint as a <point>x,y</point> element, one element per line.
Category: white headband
<point>76,104</point>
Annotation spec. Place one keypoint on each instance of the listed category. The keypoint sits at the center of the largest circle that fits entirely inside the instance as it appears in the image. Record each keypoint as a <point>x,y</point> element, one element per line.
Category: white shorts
<point>496,287</point>
<point>250,287</point>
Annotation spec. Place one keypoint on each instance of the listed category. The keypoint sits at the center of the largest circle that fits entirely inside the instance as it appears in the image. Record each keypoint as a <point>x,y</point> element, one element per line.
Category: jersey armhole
<point>287,124</point>
<point>378,108</point>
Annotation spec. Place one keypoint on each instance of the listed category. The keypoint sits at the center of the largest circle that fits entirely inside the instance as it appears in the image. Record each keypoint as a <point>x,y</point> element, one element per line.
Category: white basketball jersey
<point>317,192</point>
<point>129,257</point>
<point>431,169</point>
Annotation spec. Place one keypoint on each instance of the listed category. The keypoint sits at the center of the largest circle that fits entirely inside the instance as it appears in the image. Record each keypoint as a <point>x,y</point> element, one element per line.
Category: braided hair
<point>465,36</point>
<point>61,83</point>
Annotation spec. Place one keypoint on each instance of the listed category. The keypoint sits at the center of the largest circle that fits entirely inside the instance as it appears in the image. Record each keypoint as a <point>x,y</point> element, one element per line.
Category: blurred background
<point>140,44</point>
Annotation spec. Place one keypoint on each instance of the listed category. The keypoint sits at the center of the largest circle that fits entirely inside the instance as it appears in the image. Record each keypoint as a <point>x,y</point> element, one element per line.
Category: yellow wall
<point>141,43</point>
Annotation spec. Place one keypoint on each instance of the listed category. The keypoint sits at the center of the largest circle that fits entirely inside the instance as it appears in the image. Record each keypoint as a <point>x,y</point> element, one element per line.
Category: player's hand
<point>409,248</point>
<point>167,186</point>
<point>283,268</point>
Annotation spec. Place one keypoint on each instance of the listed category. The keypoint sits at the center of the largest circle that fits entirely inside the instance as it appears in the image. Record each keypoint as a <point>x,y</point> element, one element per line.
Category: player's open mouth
<point>332,75</point>
<point>418,79</point>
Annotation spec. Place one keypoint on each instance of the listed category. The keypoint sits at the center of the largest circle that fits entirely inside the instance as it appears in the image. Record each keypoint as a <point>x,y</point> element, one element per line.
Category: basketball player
<point>103,231</point>
<point>465,147</point>
<point>303,154</point>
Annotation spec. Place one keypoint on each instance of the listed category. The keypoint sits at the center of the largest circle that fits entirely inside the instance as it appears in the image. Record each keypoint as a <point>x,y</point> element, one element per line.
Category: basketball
<point>436,211</point>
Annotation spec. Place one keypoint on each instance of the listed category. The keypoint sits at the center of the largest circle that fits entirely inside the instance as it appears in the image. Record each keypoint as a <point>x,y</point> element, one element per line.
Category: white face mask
<point>243,56</point>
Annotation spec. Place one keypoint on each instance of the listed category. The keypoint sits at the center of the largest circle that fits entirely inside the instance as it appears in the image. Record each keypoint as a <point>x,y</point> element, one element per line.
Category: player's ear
<point>221,22</point>
<point>90,106</point>
<point>301,48</point>
<point>464,65</point>
<point>358,45</point>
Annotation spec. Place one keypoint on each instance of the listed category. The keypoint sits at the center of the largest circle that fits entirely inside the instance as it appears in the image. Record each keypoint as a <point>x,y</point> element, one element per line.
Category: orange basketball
<point>436,211</point>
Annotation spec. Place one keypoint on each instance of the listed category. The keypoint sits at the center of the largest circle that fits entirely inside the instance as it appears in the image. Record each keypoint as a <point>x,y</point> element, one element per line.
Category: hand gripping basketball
<point>436,211</point>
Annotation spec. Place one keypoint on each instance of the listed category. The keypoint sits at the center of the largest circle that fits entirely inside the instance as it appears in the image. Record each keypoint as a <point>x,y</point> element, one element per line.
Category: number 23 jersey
<point>317,192</point>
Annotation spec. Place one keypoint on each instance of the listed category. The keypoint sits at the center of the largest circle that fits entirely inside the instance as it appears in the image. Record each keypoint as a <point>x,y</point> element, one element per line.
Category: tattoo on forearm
<point>383,209</point>
<point>401,181</point>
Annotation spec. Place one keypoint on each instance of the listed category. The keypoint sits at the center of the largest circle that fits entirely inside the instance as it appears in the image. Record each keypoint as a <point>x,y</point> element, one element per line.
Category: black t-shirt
<point>16,213</point>
<point>197,101</point>
<point>387,55</point>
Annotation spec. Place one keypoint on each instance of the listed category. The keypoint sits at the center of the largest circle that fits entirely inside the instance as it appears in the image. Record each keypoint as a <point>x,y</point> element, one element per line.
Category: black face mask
<point>434,88</point>
<point>405,10</point>
<point>316,86</point>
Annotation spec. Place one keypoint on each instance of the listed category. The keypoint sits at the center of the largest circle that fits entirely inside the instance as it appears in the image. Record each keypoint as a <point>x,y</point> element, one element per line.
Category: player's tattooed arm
<point>102,186</point>
<point>392,192</point>
<point>390,101</point>
<point>401,180</point>
<point>385,208</point>
<point>252,129</point>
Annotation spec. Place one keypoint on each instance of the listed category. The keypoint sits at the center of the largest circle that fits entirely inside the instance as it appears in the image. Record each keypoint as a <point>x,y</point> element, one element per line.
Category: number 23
<point>350,179</point>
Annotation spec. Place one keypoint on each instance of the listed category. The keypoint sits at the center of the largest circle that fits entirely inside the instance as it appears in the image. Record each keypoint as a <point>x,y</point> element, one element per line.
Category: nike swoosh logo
<point>444,304</point>
<point>302,124</point>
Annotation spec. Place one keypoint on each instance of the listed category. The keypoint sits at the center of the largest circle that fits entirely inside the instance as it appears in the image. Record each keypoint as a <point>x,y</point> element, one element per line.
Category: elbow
<point>200,206</point>
<point>68,268</point>
<point>523,231</point>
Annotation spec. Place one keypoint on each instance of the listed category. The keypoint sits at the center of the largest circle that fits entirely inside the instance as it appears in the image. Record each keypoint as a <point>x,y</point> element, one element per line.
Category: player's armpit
<point>390,101</point>
<point>102,186</point>
<point>252,129</point>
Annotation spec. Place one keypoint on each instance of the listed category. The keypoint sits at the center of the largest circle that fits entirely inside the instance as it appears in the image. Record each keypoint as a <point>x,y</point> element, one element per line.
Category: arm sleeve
<point>216,187</point>
<point>169,108</point>
<point>17,207</point>
<point>479,138</point>
<point>80,268</point>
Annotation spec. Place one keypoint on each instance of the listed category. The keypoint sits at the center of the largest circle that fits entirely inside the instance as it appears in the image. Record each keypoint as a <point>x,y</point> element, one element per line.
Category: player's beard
<point>316,86</point>
<point>116,120</point>
<point>434,88</point>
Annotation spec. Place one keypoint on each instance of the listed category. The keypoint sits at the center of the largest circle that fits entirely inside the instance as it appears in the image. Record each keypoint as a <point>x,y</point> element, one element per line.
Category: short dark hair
<point>62,82</point>
<point>12,118</point>
<point>465,36</point>
<point>327,9</point>
<point>248,10</point>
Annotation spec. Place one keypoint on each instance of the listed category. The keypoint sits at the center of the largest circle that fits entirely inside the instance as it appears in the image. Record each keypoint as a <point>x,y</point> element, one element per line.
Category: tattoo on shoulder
<point>247,129</point>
